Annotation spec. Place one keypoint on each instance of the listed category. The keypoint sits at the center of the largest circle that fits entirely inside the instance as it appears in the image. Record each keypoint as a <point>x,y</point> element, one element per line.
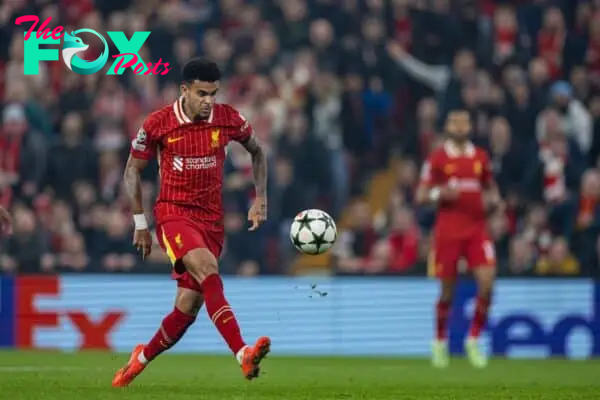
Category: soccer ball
<point>313,232</point>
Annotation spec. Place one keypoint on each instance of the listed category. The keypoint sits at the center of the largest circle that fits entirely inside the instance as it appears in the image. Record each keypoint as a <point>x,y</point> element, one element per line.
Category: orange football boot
<point>131,370</point>
<point>253,355</point>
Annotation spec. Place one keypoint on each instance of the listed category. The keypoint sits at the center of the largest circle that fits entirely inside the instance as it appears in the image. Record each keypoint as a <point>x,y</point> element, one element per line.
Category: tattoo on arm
<point>259,165</point>
<point>133,183</point>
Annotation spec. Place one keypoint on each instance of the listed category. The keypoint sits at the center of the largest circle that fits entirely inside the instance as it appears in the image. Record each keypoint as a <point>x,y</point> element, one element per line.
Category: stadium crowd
<point>336,89</point>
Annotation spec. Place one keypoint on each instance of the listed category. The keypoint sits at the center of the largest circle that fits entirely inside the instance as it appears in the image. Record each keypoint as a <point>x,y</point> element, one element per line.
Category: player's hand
<point>499,206</point>
<point>449,193</point>
<point>496,204</point>
<point>5,221</point>
<point>257,213</point>
<point>142,240</point>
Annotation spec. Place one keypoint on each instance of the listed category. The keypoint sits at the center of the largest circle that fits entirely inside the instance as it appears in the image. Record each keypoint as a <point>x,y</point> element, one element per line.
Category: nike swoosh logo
<point>173,140</point>
<point>226,320</point>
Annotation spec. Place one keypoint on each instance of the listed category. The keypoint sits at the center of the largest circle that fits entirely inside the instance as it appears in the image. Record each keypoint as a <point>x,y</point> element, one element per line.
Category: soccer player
<point>189,138</point>
<point>457,179</point>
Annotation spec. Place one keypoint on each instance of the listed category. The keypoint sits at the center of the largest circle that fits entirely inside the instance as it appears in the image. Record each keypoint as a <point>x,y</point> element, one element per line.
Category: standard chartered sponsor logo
<point>180,163</point>
<point>465,184</point>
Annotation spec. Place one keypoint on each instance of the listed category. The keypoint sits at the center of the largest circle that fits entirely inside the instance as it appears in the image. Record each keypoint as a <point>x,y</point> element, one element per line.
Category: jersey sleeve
<point>430,172</point>
<point>241,127</point>
<point>145,142</point>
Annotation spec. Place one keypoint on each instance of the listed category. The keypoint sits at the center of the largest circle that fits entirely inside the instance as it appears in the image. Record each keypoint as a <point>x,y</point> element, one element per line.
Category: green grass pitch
<point>58,376</point>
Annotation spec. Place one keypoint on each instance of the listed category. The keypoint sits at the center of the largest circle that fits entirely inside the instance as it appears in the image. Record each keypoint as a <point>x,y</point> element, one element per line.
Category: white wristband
<point>139,220</point>
<point>434,194</point>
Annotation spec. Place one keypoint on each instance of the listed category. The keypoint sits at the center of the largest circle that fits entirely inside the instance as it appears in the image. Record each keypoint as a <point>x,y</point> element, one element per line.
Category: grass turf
<point>54,376</point>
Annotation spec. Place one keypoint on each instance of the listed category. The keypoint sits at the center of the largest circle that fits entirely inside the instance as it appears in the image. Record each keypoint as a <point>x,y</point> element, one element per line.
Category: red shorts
<point>477,250</point>
<point>178,236</point>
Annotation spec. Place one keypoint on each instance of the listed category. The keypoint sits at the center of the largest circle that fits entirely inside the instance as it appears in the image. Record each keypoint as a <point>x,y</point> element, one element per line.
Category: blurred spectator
<point>558,261</point>
<point>504,155</point>
<point>422,140</point>
<point>522,257</point>
<point>506,43</point>
<point>354,245</point>
<point>521,110</point>
<point>539,80</point>
<point>557,169</point>
<point>74,256</point>
<point>22,155</point>
<point>286,198</point>
<point>324,107</point>
<point>536,231</point>
<point>558,47</point>
<point>27,249</point>
<point>587,219</point>
<point>71,159</point>
<point>574,119</point>
<point>117,252</point>
<point>242,246</point>
<point>447,82</point>
<point>403,240</point>
<point>408,177</point>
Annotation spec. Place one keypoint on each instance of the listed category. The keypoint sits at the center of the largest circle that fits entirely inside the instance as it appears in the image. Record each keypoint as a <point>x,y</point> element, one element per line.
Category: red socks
<point>220,312</point>
<point>442,313</point>
<point>480,317</point>
<point>477,324</point>
<point>173,327</point>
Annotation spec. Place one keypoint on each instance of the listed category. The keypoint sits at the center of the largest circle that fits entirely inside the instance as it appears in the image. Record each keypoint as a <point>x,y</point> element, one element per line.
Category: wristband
<point>139,220</point>
<point>434,194</point>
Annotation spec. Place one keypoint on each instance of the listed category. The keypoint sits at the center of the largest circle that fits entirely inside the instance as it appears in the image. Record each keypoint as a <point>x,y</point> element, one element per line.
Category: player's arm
<point>142,239</point>
<point>259,164</point>
<point>258,212</point>
<point>143,148</point>
<point>430,189</point>
<point>244,134</point>
<point>133,184</point>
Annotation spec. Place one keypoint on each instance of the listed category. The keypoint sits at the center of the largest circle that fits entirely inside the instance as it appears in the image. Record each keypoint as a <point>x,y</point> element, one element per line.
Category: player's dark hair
<point>200,69</point>
<point>456,110</point>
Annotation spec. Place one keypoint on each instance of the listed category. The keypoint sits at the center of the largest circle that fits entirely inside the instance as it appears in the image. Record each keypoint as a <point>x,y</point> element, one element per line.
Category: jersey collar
<point>180,114</point>
<point>453,152</point>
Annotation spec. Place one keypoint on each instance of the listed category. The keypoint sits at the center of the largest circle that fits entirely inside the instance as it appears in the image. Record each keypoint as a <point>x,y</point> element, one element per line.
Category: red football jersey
<point>191,155</point>
<point>469,172</point>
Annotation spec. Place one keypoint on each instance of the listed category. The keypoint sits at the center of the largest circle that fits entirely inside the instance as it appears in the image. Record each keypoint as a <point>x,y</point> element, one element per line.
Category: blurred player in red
<point>457,178</point>
<point>189,138</point>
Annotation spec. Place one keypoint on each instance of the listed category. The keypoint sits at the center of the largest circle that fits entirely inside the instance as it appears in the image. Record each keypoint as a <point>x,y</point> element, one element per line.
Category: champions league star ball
<point>313,232</point>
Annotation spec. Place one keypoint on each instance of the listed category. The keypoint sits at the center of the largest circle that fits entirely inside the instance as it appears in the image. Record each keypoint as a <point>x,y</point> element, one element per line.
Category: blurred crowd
<point>337,90</point>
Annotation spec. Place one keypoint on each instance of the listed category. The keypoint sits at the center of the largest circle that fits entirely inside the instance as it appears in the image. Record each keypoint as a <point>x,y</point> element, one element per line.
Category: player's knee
<point>484,289</point>
<point>447,291</point>
<point>189,301</point>
<point>485,278</point>
<point>200,263</point>
<point>446,297</point>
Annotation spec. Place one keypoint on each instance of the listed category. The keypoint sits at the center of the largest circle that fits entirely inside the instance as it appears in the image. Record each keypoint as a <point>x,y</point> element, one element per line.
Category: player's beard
<point>203,114</point>
<point>195,113</point>
<point>458,138</point>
